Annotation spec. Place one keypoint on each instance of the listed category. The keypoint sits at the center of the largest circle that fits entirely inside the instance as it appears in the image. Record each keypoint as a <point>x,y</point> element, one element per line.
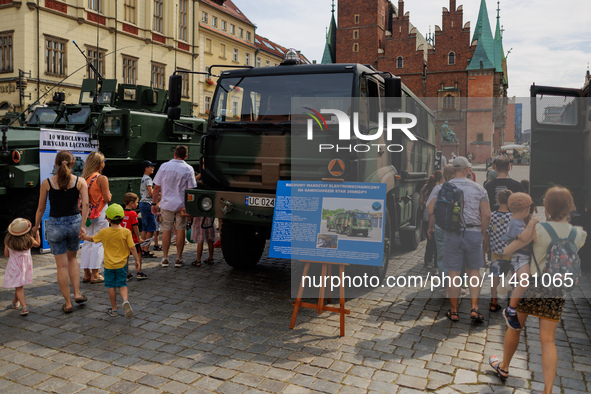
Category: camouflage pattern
<point>248,148</point>
<point>130,124</point>
<point>353,223</point>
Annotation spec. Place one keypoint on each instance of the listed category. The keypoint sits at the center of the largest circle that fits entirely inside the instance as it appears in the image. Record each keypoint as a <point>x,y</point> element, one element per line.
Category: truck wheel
<point>410,240</point>
<point>365,233</point>
<point>349,231</point>
<point>242,245</point>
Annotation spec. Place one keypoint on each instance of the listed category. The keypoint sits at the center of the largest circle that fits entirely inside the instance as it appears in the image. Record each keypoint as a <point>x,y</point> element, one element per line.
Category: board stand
<point>320,307</point>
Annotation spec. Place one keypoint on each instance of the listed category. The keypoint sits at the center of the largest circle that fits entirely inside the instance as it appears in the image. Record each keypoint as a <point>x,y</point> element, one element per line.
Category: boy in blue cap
<point>117,242</point>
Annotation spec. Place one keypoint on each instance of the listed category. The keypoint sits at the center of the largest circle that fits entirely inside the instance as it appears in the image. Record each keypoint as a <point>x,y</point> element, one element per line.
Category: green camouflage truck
<point>353,223</point>
<point>561,149</point>
<point>128,122</point>
<point>247,149</point>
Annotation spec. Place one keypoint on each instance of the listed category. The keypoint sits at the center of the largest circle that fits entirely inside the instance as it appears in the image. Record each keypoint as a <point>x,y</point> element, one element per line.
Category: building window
<point>55,56</point>
<point>158,15</point>
<point>258,61</point>
<point>204,17</point>
<point>248,36</point>
<point>235,55</point>
<point>185,84</point>
<point>6,57</point>
<point>247,59</point>
<point>208,45</point>
<point>129,11</point>
<point>222,50</point>
<point>158,73</point>
<point>214,21</point>
<point>97,57</point>
<point>207,104</point>
<point>235,108</point>
<point>355,34</point>
<point>224,25</point>
<point>451,58</point>
<point>357,18</point>
<point>355,47</point>
<point>449,103</point>
<point>399,62</point>
<point>240,32</point>
<point>232,29</point>
<point>480,137</point>
<point>267,64</point>
<point>96,5</point>
<point>129,70</point>
<point>183,20</point>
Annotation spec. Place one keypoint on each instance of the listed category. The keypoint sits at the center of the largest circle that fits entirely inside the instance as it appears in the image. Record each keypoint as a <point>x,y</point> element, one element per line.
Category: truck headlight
<point>10,175</point>
<point>206,204</point>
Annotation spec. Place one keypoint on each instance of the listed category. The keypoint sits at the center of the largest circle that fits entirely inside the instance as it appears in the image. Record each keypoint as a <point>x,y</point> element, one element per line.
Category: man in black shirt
<point>502,166</point>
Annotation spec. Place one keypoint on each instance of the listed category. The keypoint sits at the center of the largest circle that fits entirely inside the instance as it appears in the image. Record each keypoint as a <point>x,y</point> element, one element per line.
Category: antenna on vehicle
<point>98,76</point>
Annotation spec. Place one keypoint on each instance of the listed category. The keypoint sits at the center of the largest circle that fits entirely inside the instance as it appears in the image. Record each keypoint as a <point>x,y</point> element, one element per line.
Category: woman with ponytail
<point>99,195</point>
<point>65,224</point>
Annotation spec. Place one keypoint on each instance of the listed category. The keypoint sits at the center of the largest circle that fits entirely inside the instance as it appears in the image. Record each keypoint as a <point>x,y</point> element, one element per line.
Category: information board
<point>329,222</point>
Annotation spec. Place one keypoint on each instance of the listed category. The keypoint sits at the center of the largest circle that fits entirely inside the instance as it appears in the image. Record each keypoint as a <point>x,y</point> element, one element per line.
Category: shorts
<point>463,250</point>
<point>519,260</point>
<point>170,217</point>
<point>63,233</point>
<point>116,278</point>
<point>500,267</point>
<point>148,218</point>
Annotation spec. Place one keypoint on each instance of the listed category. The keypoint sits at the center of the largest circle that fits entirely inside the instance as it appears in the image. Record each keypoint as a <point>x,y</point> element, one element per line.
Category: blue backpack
<point>449,208</point>
<point>562,257</point>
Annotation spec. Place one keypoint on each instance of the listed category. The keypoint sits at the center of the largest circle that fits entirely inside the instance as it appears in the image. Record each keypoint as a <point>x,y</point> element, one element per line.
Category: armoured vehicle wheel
<point>349,232</point>
<point>410,240</point>
<point>242,245</point>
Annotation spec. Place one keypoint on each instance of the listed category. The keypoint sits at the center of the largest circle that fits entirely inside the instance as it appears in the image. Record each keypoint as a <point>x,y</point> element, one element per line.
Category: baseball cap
<point>519,201</point>
<point>19,226</point>
<point>115,211</point>
<point>461,162</point>
<point>147,163</point>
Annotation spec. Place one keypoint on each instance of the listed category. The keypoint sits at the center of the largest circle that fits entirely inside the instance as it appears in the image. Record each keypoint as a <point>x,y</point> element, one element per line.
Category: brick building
<point>447,67</point>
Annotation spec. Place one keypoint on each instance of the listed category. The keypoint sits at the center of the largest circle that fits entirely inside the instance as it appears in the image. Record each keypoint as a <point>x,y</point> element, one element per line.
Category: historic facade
<point>138,42</point>
<point>463,78</point>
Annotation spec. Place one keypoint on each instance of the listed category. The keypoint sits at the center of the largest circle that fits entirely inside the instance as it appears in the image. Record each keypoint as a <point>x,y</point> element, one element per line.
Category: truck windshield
<point>267,98</point>
<point>362,215</point>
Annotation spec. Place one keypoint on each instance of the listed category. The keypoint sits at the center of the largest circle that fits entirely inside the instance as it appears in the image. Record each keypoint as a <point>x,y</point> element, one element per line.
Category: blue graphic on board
<point>329,222</point>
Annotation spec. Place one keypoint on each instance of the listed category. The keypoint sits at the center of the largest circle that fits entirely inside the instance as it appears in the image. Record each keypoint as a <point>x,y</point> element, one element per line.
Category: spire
<point>499,58</point>
<point>330,49</point>
<point>484,55</point>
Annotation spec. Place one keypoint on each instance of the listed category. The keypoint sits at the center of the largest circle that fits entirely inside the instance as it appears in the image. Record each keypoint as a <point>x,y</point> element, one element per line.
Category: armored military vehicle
<point>353,223</point>
<point>128,122</point>
<point>561,149</point>
<point>248,148</point>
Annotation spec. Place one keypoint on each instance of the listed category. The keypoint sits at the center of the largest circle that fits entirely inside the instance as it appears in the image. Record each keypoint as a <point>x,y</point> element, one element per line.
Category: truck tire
<point>242,245</point>
<point>410,240</point>
<point>349,232</point>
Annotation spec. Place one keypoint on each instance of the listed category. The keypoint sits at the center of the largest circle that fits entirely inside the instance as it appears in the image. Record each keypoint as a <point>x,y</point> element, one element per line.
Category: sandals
<point>81,300</point>
<point>100,279</point>
<point>15,305</point>
<point>148,255</point>
<point>112,313</point>
<point>478,318</point>
<point>209,261</point>
<point>196,263</point>
<point>494,307</point>
<point>450,315</point>
<point>85,280</point>
<point>67,310</point>
<point>158,248</point>
<point>501,373</point>
<point>24,312</point>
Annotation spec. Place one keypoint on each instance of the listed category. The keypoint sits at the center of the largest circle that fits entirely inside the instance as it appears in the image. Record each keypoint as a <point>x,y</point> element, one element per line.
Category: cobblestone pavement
<point>214,329</point>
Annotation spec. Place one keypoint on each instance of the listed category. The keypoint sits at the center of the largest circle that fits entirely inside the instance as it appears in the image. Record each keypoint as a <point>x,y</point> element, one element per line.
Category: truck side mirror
<point>174,113</point>
<point>175,86</point>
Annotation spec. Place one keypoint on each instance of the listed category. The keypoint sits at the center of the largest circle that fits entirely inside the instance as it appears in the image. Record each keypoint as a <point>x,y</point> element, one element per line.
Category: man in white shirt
<point>170,183</point>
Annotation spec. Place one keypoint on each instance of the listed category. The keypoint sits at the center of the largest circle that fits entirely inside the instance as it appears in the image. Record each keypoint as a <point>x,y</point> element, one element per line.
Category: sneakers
<point>178,263</point>
<point>129,277</point>
<point>164,263</point>
<point>127,307</point>
<point>511,319</point>
<point>141,275</point>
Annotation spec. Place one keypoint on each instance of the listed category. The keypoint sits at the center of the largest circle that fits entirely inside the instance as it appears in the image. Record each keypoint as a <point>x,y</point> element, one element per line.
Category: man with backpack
<point>462,210</point>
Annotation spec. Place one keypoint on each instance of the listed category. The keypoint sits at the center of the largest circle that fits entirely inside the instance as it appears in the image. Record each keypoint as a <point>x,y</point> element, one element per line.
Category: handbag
<point>94,208</point>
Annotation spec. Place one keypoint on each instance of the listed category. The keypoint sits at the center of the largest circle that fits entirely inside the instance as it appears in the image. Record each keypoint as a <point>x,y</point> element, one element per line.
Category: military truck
<point>353,223</point>
<point>128,122</point>
<point>247,149</point>
<point>331,222</point>
<point>561,149</point>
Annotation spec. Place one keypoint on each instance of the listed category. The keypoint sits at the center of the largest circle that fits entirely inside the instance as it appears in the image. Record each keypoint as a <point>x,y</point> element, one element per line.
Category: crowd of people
<point>493,222</point>
<point>498,224</point>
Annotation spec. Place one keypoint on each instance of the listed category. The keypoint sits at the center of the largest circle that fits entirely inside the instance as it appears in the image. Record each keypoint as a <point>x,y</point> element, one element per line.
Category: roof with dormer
<point>228,7</point>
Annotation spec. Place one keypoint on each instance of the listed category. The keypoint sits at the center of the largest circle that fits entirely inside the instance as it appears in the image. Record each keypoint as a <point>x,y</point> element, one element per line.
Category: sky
<point>549,41</point>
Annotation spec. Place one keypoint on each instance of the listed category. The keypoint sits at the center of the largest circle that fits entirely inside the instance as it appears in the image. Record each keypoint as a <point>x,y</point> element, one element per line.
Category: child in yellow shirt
<point>117,242</point>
